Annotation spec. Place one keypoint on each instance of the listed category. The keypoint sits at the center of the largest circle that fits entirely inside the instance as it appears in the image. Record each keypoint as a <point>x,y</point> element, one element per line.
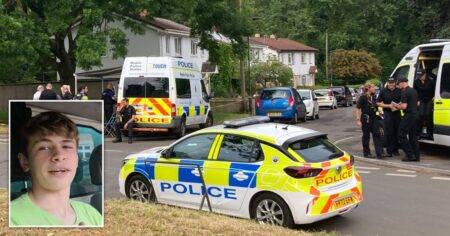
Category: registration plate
<point>274,113</point>
<point>343,202</point>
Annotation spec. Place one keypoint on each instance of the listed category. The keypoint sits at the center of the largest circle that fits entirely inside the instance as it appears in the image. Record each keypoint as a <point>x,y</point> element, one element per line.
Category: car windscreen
<point>146,87</point>
<point>317,149</point>
<point>305,94</point>
<point>321,93</point>
<point>338,90</point>
<point>275,93</point>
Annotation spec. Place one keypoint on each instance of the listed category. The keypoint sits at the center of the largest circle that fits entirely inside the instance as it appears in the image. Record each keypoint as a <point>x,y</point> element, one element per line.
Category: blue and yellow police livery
<point>274,173</point>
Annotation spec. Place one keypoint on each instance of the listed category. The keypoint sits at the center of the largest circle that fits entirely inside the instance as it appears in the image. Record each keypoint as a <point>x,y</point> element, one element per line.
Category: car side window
<point>239,149</point>
<point>196,147</point>
<point>445,81</point>
<point>296,95</point>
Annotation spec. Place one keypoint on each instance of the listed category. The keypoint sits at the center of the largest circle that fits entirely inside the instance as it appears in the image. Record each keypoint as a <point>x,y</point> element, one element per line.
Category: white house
<point>161,37</point>
<point>298,56</point>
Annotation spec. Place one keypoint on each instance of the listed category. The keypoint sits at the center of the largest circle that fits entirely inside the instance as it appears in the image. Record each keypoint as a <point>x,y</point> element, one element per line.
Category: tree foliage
<point>353,66</point>
<point>271,72</point>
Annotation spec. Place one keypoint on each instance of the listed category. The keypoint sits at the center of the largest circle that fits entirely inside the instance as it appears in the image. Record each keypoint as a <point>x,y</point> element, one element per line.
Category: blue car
<point>281,103</point>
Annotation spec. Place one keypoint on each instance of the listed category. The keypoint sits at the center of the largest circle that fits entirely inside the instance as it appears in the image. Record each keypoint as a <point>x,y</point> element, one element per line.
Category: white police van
<point>168,94</point>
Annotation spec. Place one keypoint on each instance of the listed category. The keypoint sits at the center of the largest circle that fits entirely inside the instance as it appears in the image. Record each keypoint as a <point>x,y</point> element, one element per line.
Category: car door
<point>195,101</point>
<point>184,98</point>
<point>301,107</point>
<point>178,178</point>
<point>441,116</point>
<point>232,171</point>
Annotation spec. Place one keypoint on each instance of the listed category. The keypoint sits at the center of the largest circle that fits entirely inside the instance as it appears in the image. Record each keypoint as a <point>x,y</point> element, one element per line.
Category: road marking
<point>363,171</point>
<point>406,171</point>
<point>367,168</point>
<point>401,175</point>
<point>441,178</point>
<point>110,150</point>
<point>340,140</point>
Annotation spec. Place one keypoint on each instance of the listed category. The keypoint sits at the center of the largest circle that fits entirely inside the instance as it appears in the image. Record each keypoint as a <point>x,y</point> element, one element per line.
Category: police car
<point>275,173</point>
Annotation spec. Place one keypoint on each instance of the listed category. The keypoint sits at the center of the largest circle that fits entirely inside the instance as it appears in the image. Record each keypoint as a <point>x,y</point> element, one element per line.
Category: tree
<point>271,72</point>
<point>353,66</point>
<point>77,31</point>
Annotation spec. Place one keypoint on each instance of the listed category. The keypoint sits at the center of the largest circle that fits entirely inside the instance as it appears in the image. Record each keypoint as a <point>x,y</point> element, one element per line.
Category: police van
<point>168,94</point>
<point>434,58</point>
<point>274,173</point>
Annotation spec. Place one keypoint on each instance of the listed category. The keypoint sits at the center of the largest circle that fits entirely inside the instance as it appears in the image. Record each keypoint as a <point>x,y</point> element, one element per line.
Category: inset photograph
<point>56,164</point>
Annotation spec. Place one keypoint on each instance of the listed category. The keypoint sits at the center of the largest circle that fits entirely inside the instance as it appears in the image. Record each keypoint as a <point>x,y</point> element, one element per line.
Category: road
<point>397,202</point>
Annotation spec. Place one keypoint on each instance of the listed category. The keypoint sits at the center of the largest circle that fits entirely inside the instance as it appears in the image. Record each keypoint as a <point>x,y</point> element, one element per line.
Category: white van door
<point>441,116</point>
<point>184,98</point>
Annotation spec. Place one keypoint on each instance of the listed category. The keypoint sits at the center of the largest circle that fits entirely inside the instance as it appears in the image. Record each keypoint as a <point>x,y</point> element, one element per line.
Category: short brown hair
<point>47,123</point>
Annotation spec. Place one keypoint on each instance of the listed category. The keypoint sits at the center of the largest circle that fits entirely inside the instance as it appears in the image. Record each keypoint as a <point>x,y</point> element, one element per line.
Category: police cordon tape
<point>422,169</point>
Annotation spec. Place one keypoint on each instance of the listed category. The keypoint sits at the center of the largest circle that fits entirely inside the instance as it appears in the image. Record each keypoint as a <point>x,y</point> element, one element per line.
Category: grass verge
<point>136,218</point>
<point>220,117</point>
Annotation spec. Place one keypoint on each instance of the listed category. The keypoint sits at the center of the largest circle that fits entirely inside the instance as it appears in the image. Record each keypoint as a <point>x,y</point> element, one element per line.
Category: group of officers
<point>399,124</point>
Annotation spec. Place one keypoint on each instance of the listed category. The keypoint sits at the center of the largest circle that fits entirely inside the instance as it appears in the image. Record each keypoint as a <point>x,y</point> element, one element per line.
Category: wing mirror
<point>167,153</point>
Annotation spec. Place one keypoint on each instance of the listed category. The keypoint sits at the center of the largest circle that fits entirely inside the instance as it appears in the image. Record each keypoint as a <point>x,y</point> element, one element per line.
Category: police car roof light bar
<point>246,121</point>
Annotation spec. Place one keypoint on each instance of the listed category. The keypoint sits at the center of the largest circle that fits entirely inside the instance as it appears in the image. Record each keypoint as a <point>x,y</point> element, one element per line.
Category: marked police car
<point>274,173</point>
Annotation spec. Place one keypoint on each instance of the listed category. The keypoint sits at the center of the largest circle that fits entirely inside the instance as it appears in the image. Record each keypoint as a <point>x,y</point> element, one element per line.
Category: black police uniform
<point>369,124</point>
<point>126,114</point>
<point>407,129</point>
<point>109,102</point>
<point>425,93</point>
<point>391,118</point>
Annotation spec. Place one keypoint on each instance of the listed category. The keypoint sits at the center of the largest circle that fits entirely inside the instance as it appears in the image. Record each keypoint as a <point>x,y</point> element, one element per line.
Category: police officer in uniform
<point>125,119</point>
<point>387,98</point>
<point>366,109</point>
<point>407,129</point>
<point>425,85</point>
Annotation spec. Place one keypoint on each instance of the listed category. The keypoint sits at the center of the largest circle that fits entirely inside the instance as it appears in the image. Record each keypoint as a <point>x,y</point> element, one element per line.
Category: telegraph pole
<point>241,65</point>
<point>326,54</point>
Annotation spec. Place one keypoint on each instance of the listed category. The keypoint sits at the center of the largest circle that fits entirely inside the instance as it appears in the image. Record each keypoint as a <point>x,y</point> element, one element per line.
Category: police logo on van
<point>157,66</point>
<point>183,64</point>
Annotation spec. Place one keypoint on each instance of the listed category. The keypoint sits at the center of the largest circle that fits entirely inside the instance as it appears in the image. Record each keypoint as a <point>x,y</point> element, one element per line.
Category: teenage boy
<point>49,154</point>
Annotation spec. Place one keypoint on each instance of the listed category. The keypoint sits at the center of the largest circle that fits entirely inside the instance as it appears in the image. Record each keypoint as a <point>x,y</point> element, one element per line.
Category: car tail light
<point>258,102</point>
<point>352,160</point>
<point>173,110</point>
<point>300,172</point>
<point>291,101</point>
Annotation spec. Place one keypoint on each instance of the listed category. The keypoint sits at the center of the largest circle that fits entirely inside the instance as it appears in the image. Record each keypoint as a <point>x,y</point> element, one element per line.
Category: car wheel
<point>313,117</point>
<point>271,209</point>
<point>140,189</point>
<point>181,131</point>
<point>209,122</point>
<point>303,119</point>
<point>295,118</point>
<point>317,115</point>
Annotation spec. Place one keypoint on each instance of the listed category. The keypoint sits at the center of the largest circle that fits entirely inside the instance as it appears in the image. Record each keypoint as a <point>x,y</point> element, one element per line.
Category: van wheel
<point>270,209</point>
<point>140,189</point>
<point>209,122</point>
<point>181,131</point>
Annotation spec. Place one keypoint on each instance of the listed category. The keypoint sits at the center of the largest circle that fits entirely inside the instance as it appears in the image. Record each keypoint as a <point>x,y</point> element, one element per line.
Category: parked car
<point>281,103</point>
<point>310,100</point>
<point>343,95</point>
<point>355,95</point>
<point>326,98</point>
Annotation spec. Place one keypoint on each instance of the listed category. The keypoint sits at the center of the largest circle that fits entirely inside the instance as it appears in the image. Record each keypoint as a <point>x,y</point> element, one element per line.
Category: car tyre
<point>317,115</point>
<point>271,209</point>
<point>295,118</point>
<point>208,123</point>
<point>313,117</point>
<point>140,189</point>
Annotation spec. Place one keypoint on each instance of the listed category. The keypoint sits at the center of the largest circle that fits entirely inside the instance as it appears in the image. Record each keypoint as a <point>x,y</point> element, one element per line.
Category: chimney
<point>272,36</point>
<point>257,35</point>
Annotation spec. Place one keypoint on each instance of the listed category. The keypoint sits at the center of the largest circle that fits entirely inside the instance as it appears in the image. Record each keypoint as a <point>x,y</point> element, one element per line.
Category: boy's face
<point>52,161</point>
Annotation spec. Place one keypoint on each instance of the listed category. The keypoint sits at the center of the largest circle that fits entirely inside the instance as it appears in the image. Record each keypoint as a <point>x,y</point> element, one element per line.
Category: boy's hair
<point>47,123</point>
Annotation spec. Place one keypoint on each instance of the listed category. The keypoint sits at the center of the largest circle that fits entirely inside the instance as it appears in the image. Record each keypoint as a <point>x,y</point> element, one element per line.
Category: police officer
<point>389,96</point>
<point>366,109</point>
<point>125,119</point>
<point>425,85</point>
<point>407,129</point>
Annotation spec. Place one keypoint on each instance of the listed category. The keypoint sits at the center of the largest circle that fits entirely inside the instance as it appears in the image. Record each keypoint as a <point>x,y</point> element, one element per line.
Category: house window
<point>311,58</point>
<point>178,46</point>
<point>303,57</point>
<point>307,58</point>
<point>193,48</point>
<point>290,59</point>
<point>168,44</point>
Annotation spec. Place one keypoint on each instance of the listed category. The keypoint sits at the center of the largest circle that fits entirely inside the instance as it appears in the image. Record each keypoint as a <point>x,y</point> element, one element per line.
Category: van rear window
<point>271,94</point>
<point>146,87</point>
<point>317,149</point>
